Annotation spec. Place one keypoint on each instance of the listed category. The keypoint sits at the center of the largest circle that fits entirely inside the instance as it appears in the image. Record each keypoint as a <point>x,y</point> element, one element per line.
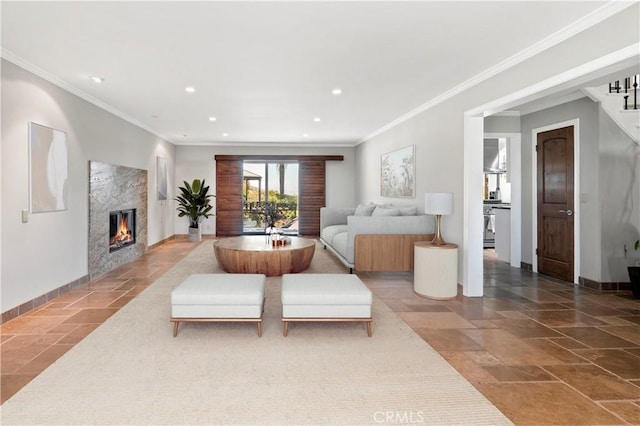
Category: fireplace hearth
<point>122,229</point>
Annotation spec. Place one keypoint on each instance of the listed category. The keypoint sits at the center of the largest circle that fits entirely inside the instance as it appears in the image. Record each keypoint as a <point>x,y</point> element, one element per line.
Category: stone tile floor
<point>542,350</point>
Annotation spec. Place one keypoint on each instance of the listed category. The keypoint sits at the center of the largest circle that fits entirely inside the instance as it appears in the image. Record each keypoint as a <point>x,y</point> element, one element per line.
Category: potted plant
<point>634,273</point>
<point>195,203</point>
<point>271,214</point>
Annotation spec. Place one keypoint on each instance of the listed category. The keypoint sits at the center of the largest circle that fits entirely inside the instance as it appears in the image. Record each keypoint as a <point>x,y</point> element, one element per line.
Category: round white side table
<point>435,270</point>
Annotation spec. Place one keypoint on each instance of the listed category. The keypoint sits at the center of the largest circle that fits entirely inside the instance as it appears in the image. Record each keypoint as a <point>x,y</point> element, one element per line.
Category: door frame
<point>576,192</point>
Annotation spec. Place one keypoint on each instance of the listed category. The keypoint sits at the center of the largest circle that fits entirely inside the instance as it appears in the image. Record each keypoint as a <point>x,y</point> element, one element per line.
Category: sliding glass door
<point>270,196</point>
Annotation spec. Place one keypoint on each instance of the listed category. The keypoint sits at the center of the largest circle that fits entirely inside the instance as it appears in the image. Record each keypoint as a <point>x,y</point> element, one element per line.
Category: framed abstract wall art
<point>48,169</point>
<point>397,173</point>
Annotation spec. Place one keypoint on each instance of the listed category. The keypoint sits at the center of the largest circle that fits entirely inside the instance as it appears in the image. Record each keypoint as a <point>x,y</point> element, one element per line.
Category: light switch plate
<point>25,216</point>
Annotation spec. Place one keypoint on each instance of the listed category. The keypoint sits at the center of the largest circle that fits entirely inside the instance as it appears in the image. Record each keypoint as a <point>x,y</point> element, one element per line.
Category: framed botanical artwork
<point>48,169</point>
<point>397,173</point>
<point>161,168</point>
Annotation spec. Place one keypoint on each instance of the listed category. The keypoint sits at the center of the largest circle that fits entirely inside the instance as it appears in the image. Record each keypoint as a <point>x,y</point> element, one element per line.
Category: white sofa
<point>374,237</point>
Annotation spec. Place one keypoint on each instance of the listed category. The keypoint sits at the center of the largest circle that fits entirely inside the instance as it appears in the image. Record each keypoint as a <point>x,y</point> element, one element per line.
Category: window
<point>270,196</point>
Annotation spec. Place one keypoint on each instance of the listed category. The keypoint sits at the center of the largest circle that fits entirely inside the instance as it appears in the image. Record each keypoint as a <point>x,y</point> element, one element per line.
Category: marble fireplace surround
<point>112,188</point>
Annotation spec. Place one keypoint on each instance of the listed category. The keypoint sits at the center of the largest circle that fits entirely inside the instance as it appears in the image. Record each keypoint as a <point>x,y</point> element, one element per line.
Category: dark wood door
<point>312,195</point>
<point>555,203</point>
<point>228,197</point>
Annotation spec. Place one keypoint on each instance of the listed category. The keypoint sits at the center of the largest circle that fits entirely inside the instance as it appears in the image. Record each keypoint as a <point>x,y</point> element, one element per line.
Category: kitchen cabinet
<point>503,232</point>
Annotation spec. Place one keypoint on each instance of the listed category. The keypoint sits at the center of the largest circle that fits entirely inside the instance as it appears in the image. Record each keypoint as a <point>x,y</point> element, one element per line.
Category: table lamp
<point>438,203</point>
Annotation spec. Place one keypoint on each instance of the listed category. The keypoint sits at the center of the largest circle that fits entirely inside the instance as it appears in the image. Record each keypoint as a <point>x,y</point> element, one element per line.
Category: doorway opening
<point>502,198</point>
<point>270,197</point>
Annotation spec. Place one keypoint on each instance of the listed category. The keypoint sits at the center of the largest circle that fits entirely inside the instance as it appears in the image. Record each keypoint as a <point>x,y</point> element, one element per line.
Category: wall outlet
<point>25,216</point>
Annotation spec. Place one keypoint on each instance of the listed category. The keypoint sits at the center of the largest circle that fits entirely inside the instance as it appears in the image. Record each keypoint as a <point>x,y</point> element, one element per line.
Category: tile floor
<point>543,351</point>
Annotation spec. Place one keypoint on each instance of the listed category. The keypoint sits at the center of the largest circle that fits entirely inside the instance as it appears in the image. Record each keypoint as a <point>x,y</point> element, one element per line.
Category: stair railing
<point>630,87</point>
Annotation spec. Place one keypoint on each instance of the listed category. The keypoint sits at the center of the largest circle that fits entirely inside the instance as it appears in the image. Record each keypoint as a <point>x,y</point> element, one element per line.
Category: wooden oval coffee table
<point>251,254</point>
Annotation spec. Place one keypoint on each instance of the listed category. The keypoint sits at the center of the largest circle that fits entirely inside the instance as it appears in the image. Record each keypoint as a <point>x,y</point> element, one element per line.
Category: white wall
<point>198,162</point>
<point>619,190</point>
<point>438,164</point>
<point>502,124</point>
<point>438,130</point>
<point>51,250</point>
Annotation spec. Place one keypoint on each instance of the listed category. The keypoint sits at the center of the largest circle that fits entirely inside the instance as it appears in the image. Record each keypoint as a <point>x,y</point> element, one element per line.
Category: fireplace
<point>122,229</point>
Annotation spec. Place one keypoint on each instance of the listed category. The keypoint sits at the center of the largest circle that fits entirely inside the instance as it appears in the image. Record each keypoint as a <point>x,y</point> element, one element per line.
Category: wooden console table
<point>255,255</point>
<point>435,271</point>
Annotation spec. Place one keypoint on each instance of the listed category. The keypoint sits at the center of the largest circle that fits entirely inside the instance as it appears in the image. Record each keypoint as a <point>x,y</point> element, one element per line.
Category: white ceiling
<point>266,69</point>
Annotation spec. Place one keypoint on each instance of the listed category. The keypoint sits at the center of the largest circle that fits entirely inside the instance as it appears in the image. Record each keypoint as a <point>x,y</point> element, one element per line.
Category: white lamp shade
<point>438,203</point>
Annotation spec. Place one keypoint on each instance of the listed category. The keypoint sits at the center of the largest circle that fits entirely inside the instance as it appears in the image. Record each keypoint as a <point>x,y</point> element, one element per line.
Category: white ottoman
<point>325,297</point>
<point>218,297</point>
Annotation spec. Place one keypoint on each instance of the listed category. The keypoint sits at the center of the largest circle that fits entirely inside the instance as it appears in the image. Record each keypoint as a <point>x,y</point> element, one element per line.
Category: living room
<point>43,252</point>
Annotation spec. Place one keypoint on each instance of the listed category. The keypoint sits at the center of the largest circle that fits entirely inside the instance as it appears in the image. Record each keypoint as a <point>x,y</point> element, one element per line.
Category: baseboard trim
<point>526,266</point>
<point>161,242</point>
<point>41,300</point>
<point>604,286</point>
<point>32,304</point>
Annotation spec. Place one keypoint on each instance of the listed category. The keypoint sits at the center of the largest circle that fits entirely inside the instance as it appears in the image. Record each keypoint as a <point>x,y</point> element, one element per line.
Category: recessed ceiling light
<point>96,79</point>
<point>189,89</point>
<point>225,134</point>
<point>212,119</point>
<point>337,91</point>
<point>317,119</point>
<point>305,135</point>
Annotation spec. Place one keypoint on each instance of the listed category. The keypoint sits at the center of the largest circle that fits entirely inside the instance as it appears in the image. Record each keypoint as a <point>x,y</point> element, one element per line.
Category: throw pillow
<point>381,211</point>
<point>408,211</point>
<point>364,210</point>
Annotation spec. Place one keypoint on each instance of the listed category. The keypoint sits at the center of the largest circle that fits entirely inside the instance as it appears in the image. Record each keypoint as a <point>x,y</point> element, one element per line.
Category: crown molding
<point>605,11</point>
<point>16,60</point>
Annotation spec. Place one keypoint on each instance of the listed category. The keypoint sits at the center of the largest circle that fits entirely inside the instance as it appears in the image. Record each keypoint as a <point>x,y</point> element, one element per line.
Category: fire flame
<point>124,233</point>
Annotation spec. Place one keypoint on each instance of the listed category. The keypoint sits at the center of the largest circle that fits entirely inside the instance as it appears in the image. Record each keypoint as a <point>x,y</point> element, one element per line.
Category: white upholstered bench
<point>218,298</point>
<point>325,297</point>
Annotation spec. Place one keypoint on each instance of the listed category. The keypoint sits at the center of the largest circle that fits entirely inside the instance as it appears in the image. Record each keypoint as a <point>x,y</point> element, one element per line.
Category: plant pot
<point>195,234</point>
<point>634,277</point>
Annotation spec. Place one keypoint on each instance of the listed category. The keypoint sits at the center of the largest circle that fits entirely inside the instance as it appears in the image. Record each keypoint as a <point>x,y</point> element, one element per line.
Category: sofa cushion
<point>339,244</point>
<point>383,211</point>
<point>364,210</point>
<point>405,209</point>
<point>330,232</point>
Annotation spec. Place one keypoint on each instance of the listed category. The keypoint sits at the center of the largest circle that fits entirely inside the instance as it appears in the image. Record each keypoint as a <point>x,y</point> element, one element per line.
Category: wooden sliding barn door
<point>311,195</point>
<point>311,190</point>
<point>228,197</point>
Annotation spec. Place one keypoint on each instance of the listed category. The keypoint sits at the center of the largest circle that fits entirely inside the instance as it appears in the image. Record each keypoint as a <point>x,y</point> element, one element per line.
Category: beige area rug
<point>132,371</point>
